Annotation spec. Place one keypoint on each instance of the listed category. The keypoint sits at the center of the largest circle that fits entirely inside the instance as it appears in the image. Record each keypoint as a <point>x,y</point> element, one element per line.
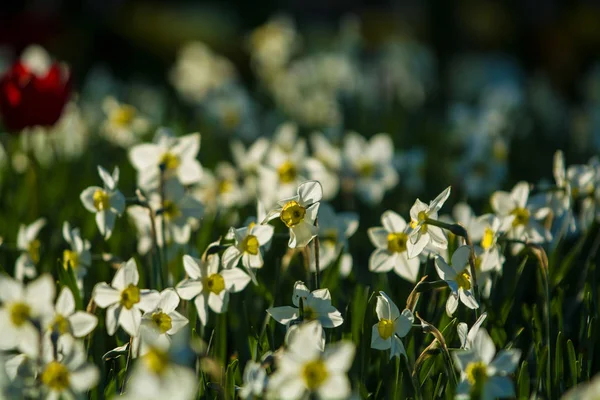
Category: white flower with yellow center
<point>316,305</point>
<point>392,326</point>
<point>124,300</point>
<point>106,202</point>
<point>272,44</point>
<point>248,160</point>
<point>369,165</point>
<point>392,241</point>
<point>458,278</point>
<point>124,125</point>
<point>68,375</point>
<point>247,247</point>
<point>208,286</point>
<point>526,219</point>
<point>175,155</point>
<point>422,233</point>
<point>29,245</point>
<point>484,376</point>
<point>66,320</point>
<point>303,367</point>
<point>78,257</point>
<point>23,307</point>
<point>220,190</point>
<point>299,213</point>
<point>162,322</point>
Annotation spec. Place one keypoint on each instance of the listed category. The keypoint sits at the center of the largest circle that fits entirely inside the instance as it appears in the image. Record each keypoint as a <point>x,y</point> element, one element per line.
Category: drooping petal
<point>498,387</point>
<point>466,296</point>
<point>84,378</point>
<point>407,268</point>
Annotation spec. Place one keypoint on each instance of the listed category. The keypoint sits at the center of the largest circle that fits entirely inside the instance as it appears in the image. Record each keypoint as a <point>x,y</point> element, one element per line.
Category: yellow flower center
<point>162,321</point>
<point>225,186</point>
<point>397,242</point>
<point>71,258</point>
<point>330,237</point>
<point>60,324</point>
<point>156,360</point>
<point>488,238</point>
<point>215,283</point>
<point>56,376</point>
<point>366,169</point>
<point>476,373</point>
<point>314,374</point>
<point>250,245</point>
<point>170,160</point>
<point>521,216</point>
<point>34,250</point>
<point>123,116</point>
<point>130,296</point>
<point>385,327</point>
<point>287,172</point>
<point>421,217</point>
<point>170,210</point>
<point>292,213</point>
<point>101,200</point>
<point>20,313</point>
<point>309,314</point>
<point>463,280</point>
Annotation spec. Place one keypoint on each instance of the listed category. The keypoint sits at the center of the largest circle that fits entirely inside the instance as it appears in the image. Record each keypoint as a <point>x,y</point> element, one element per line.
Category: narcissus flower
<point>106,202</point>
<point>392,326</point>
<point>303,367</point>
<point>247,245</point>
<point>29,245</point>
<point>209,286</point>
<point>78,257</point>
<point>299,213</point>
<point>66,320</point>
<point>34,91</point>
<point>484,376</point>
<point>124,300</point>
<point>123,126</point>
<point>458,278</point>
<point>422,233</point>
<point>392,241</point>
<point>316,306</point>
<point>164,321</point>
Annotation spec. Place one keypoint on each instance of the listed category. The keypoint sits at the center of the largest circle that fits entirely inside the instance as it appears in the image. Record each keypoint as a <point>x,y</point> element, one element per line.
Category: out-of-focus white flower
<point>304,367</point>
<point>78,256</point>
<point>125,302</point>
<point>248,161</point>
<point>392,326</point>
<point>123,126</point>
<point>368,165</point>
<point>175,155</point>
<point>221,190</point>
<point>24,306</point>
<point>458,278</point>
<point>422,233</point>
<point>248,241</point>
<point>209,286</point>
<point>273,44</point>
<point>316,305</point>
<point>66,320</point>
<point>233,112</point>
<point>299,213</point>
<point>107,202</point>
<point>585,391</point>
<point>483,375</point>
<point>29,246</point>
<point>391,241</point>
<point>255,380</point>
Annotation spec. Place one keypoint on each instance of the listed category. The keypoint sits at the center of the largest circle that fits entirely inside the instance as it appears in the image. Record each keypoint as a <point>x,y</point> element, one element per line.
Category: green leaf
<point>230,379</point>
<point>572,363</point>
<point>558,362</point>
<point>523,382</point>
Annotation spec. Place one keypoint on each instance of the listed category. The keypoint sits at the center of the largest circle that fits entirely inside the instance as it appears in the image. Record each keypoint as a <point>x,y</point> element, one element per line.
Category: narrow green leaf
<point>523,382</point>
<point>572,363</point>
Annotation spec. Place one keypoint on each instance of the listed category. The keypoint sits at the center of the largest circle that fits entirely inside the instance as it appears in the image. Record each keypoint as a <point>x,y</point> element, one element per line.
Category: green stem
<point>317,260</point>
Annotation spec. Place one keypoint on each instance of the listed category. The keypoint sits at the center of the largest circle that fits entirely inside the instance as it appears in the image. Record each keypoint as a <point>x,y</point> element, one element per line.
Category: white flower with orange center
<point>391,241</point>
<point>299,213</point>
<point>124,300</point>
<point>392,326</point>
<point>422,233</point>
<point>29,245</point>
<point>106,202</point>
<point>208,286</point>
<point>247,247</point>
<point>458,278</point>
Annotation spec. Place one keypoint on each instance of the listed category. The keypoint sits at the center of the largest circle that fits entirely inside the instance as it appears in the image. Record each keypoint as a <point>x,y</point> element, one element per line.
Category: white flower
<point>140,218</point>
<point>66,320</point>
<point>299,213</point>
<point>176,155</point>
<point>69,374</point>
<point>255,379</point>
<point>467,336</point>
<point>272,44</point>
<point>29,245</point>
<point>208,286</point>
<point>22,306</point>
<point>316,306</point>
<point>482,375</point>
<point>369,165</point>
<point>221,190</point>
<point>525,218</point>
<point>458,278</point>
<point>392,326</point>
<point>106,202</point>
<point>123,126</point>
<point>248,162</point>
<point>79,256</point>
<point>585,391</point>
<point>247,245</point>
<point>164,321</point>
<point>125,301</point>
<point>392,242</point>
<point>423,233</point>
<point>303,367</point>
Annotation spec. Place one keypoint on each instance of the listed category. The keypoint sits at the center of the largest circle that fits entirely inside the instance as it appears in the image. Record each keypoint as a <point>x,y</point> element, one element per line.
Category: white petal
<point>84,378</point>
<point>520,194</point>
<point>460,258</point>
<point>112,318</point>
<point>178,321</point>
<point>415,248</point>
<point>444,271</point>
<point>284,314</point>
<point>169,300</point>
<point>502,203</point>
<point>301,235</point>
<point>235,279</point>
<point>148,300</point>
<point>65,304</point>
<point>144,156</point>
<point>484,346</point>
<point>263,233</point>
<point>105,220</point>
<point>40,293</point>
<point>452,303</point>
<point>231,257</point>
<point>309,193</point>
<point>468,299</point>
<point>218,302</point>
<point>381,261</point>
<point>10,289</point>
<point>87,198</point>
<point>377,342</point>
<point>106,178</point>
<point>439,201</point>
<point>191,266</point>
<point>130,320</point>
<point>82,323</point>
<point>378,237</point>
<point>105,295</point>
<point>202,308</point>
<point>189,288</point>
<point>126,275</point>
<point>339,356</point>
<point>300,291</point>
<point>498,387</point>
<point>506,362</point>
<point>407,268</point>
<point>404,323</point>
<point>393,222</point>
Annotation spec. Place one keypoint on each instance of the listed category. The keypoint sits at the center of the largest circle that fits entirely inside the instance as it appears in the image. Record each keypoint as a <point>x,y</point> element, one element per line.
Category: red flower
<point>31,96</point>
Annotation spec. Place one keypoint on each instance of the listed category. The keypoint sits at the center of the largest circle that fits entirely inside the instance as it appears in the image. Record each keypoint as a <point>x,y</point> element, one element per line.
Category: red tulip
<point>33,92</point>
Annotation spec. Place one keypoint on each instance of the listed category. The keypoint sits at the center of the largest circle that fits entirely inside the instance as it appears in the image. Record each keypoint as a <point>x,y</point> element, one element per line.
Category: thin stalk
<point>127,365</point>
<point>317,260</point>
<point>164,267</point>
